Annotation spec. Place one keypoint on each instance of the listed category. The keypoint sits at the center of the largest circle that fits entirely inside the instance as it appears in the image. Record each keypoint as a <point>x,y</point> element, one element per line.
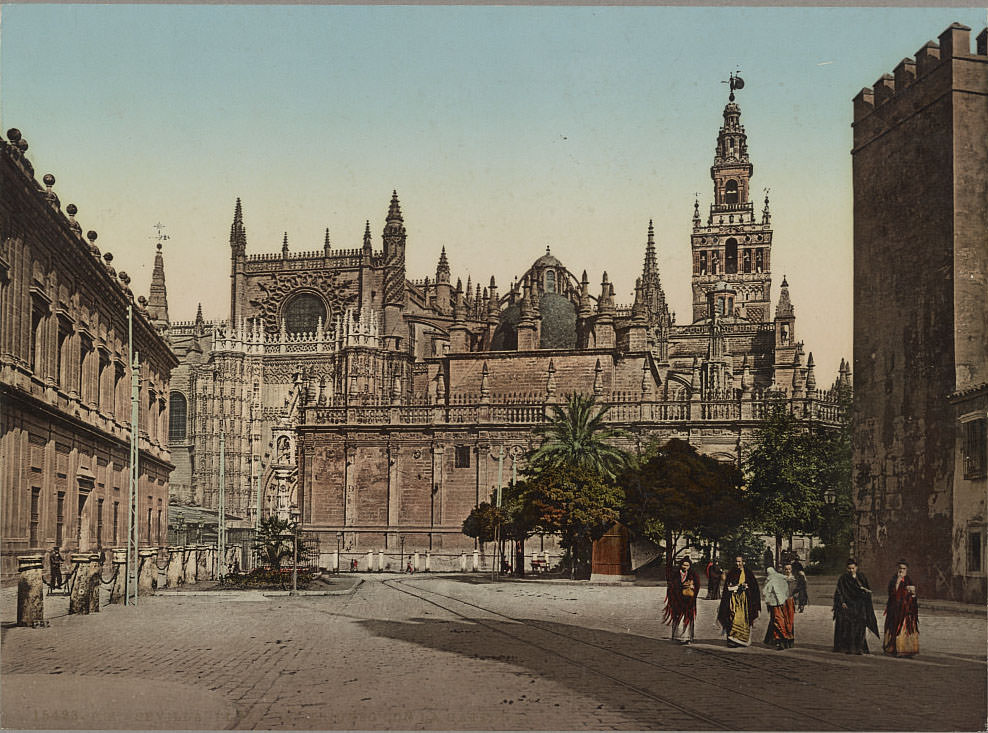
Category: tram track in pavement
<point>815,722</point>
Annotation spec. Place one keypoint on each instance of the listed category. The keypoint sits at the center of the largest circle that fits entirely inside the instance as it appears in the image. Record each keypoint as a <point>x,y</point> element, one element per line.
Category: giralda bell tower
<point>732,247</point>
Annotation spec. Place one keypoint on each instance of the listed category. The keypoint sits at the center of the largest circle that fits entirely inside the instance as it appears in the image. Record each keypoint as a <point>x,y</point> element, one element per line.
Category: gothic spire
<point>284,246</point>
<point>784,309</point>
<point>158,295</point>
<point>325,244</point>
<point>367,237</point>
<point>651,269</point>
<point>442,269</point>
<point>238,234</point>
<point>394,211</point>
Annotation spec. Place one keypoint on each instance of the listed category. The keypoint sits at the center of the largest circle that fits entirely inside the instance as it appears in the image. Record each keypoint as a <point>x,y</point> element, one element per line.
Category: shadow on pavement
<point>649,678</point>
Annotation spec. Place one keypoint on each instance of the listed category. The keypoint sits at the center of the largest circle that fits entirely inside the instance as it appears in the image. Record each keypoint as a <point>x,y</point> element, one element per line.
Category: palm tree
<point>577,436</point>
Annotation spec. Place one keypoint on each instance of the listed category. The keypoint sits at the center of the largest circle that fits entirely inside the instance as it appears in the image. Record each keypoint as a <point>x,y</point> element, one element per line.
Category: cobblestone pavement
<point>462,653</point>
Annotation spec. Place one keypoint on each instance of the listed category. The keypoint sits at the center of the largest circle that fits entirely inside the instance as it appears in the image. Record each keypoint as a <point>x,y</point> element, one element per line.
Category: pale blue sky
<point>504,129</point>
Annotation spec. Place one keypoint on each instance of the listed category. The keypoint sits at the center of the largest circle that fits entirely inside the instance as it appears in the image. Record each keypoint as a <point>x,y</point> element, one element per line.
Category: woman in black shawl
<point>682,586</point>
<point>740,605</point>
<point>853,611</point>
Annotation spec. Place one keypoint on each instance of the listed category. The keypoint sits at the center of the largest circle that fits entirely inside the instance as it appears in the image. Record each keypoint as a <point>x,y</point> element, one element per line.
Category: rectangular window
<point>37,326</point>
<point>975,448</point>
<point>116,522</point>
<point>59,517</point>
<point>99,522</point>
<point>63,335</point>
<point>78,517</point>
<point>158,525</point>
<point>148,535</point>
<point>104,362</point>
<point>462,457</point>
<point>85,346</point>
<point>974,551</point>
<point>35,514</point>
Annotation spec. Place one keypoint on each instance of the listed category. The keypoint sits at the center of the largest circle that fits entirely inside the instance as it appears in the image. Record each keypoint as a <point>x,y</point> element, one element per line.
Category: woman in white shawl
<point>781,610</point>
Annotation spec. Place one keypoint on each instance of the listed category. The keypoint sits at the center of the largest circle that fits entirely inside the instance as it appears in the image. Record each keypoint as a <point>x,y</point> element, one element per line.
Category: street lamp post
<point>295,517</point>
<point>339,550</point>
<point>401,559</point>
<point>830,499</point>
<point>497,526</point>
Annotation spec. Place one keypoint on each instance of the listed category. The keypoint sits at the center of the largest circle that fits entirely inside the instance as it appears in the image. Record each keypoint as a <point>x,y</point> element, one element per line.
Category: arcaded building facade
<point>65,381</point>
<point>920,169</point>
<point>384,408</point>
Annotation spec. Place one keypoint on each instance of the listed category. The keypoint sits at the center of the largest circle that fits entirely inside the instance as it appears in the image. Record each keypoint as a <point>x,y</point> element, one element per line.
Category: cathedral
<point>382,409</point>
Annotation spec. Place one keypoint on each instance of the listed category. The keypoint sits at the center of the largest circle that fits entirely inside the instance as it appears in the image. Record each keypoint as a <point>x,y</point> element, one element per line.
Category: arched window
<point>302,313</point>
<point>178,409</point>
<point>731,192</point>
<point>550,281</point>
<point>731,256</point>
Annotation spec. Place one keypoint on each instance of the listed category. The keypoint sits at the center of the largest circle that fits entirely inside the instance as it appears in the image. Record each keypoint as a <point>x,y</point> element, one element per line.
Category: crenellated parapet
<point>932,59</point>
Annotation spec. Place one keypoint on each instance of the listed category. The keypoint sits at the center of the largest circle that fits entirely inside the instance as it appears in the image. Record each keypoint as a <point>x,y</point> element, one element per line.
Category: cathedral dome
<point>558,322</point>
<point>547,260</point>
<point>558,329</point>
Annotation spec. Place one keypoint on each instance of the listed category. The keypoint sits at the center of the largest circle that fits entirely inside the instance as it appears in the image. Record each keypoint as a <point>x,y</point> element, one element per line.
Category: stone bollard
<point>175,575</point>
<point>147,571</point>
<point>415,562</point>
<point>120,576</point>
<point>189,563</point>
<point>95,580</point>
<point>380,560</point>
<point>30,595</point>
<point>428,562</point>
<point>476,560</point>
<point>82,591</point>
<point>463,562</point>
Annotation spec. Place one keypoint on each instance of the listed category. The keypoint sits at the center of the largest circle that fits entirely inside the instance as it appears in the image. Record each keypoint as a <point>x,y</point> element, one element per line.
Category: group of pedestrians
<point>785,595</point>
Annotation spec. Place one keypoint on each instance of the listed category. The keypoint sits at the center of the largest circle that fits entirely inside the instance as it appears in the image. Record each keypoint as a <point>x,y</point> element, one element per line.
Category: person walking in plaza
<point>781,609</point>
<point>740,605</point>
<point>800,595</point>
<point>55,561</point>
<point>714,576</point>
<point>853,611</point>
<point>681,588</point>
<point>901,615</point>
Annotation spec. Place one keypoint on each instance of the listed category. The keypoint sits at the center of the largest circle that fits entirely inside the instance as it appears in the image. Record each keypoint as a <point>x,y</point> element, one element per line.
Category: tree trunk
<point>670,549</point>
<point>520,558</point>
<point>778,549</point>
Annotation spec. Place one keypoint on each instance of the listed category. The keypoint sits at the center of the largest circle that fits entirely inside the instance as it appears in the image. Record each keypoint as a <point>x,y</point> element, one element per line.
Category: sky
<point>503,129</point>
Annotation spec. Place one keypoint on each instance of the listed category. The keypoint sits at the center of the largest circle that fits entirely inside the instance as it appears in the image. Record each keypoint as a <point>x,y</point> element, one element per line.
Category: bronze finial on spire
<point>736,82</point>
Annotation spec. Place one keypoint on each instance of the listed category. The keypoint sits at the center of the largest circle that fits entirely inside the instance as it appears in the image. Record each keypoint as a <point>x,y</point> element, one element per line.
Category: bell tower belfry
<point>734,246</point>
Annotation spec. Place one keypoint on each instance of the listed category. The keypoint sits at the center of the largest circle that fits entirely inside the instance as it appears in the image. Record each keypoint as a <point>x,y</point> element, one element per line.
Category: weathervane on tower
<point>736,82</point>
<point>159,236</point>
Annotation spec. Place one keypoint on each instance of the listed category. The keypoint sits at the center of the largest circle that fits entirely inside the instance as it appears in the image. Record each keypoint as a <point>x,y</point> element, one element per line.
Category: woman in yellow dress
<point>740,604</point>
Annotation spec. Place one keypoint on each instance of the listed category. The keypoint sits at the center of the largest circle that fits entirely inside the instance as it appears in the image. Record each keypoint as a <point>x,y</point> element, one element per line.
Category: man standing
<point>55,560</point>
<point>740,605</point>
<point>853,611</point>
<point>681,588</point>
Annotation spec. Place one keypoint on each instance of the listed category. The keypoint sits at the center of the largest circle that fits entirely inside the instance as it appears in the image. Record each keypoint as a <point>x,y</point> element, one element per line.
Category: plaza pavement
<point>458,652</point>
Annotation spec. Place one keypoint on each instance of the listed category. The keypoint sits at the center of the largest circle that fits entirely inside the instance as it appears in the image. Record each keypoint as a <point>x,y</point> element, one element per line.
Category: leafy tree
<point>274,541</point>
<point>835,462</point>
<point>480,524</point>
<point>782,473</point>
<point>578,436</point>
<point>743,540</point>
<point>674,491</point>
<point>575,501</point>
